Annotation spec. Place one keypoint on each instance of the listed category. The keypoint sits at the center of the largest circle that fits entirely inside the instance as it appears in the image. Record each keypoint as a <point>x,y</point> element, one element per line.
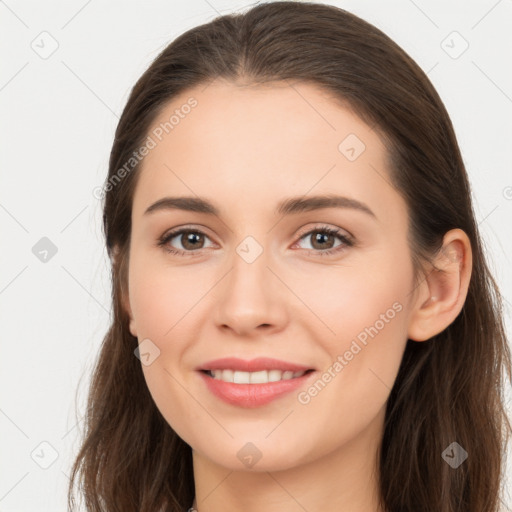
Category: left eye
<point>323,240</point>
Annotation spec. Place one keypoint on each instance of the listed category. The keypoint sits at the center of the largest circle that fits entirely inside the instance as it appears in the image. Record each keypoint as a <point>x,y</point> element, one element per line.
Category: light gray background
<point>59,115</point>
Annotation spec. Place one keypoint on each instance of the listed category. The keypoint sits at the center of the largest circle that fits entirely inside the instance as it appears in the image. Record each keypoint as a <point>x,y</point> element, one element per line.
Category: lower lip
<point>252,395</point>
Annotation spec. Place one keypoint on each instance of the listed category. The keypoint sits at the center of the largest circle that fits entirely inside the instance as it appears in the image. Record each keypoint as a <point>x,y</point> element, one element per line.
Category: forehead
<point>259,143</point>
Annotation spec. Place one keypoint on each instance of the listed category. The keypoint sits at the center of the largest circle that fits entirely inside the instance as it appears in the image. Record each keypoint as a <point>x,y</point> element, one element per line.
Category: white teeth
<point>241,377</point>
<point>258,377</point>
<point>261,377</point>
<point>274,375</point>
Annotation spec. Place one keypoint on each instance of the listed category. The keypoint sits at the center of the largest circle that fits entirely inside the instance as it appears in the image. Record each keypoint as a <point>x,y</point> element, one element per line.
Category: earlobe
<point>125,303</point>
<point>128,309</point>
<point>133,330</point>
<point>444,289</point>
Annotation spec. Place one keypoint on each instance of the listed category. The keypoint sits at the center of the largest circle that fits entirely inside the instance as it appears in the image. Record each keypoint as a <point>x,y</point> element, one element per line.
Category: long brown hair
<point>448,389</point>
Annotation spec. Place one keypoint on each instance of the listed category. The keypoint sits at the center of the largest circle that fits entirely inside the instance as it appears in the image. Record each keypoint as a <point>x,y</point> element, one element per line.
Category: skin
<point>245,149</point>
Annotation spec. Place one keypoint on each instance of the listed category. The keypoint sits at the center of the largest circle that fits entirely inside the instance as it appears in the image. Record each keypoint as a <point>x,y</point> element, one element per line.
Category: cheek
<point>346,299</point>
<point>160,301</point>
<point>363,331</point>
<point>159,297</point>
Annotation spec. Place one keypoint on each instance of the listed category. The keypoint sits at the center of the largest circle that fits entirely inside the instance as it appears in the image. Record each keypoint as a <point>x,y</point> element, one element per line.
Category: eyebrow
<point>292,205</point>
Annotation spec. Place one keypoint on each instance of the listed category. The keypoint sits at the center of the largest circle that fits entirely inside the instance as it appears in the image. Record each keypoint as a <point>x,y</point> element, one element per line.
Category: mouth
<point>255,383</point>
<point>258,377</point>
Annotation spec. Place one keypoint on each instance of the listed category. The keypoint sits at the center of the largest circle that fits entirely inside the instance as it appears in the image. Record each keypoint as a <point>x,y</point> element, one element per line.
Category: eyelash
<point>347,242</point>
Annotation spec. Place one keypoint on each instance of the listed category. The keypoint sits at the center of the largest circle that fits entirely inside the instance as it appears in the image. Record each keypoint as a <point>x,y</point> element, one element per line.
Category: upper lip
<point>254,365</point>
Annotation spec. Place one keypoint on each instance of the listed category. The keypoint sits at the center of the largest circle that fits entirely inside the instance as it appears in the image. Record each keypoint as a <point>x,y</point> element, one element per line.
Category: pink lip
<point>254,365</point>
<point>252,395</point>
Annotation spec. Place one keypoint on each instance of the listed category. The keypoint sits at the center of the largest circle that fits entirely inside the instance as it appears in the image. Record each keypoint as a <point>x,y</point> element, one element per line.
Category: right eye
<point>190,240</point>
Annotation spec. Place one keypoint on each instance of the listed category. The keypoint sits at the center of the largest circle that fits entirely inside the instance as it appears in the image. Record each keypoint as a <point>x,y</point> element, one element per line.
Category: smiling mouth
<point>259,377</point>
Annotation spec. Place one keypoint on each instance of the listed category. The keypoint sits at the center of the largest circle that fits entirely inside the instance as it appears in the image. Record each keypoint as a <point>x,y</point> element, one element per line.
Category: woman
<point>245,370</point>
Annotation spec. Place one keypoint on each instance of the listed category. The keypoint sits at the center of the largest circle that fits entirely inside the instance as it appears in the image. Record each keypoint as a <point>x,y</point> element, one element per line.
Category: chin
<point>257,456</point>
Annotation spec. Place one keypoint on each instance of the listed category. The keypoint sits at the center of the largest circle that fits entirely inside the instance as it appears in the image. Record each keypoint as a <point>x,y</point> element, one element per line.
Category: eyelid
<point>323,226</point>
<point>196,228</point>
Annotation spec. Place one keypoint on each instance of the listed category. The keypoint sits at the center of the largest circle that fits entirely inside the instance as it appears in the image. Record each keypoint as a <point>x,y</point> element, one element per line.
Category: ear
<point>125,298</point>
<point>127,307</point>
<point>442,293</point>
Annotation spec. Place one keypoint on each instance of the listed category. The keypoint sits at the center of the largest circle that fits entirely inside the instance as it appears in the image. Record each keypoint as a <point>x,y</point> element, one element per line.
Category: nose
<point>251,298</point>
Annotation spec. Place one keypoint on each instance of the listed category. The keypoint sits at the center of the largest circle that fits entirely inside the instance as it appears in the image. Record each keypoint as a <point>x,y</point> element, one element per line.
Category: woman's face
<point>261,278</point>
